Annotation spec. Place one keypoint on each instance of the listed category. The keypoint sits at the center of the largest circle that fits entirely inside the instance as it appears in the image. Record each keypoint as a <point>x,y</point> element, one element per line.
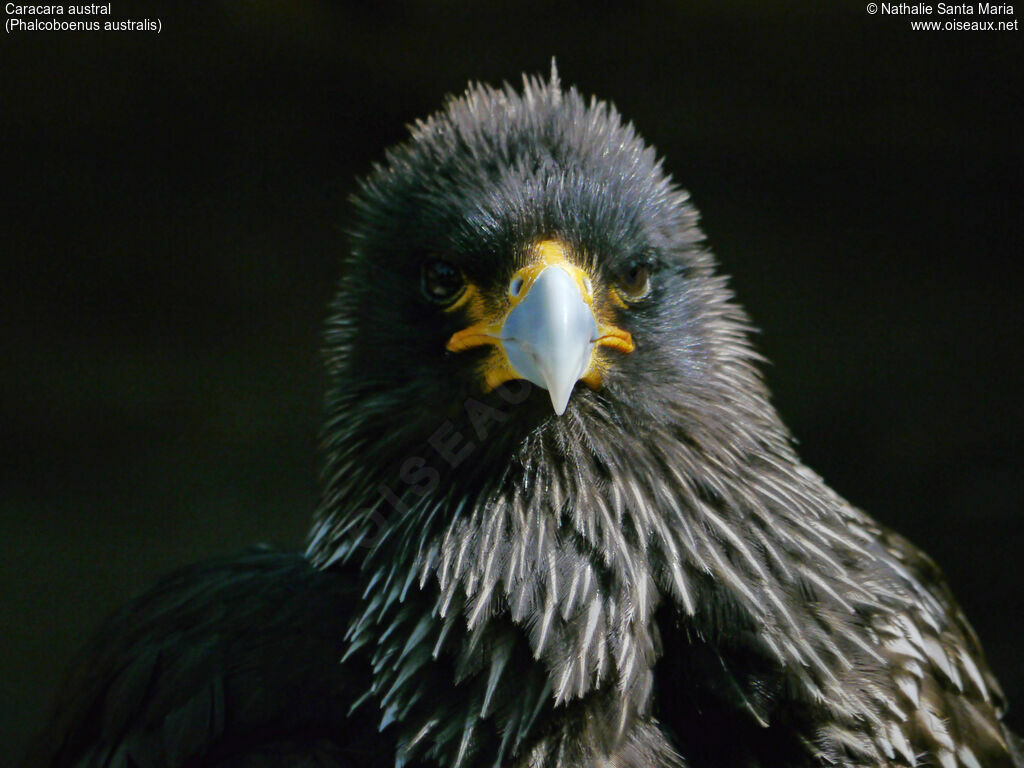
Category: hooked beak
<point>547,330</point>
<point>549,337</point>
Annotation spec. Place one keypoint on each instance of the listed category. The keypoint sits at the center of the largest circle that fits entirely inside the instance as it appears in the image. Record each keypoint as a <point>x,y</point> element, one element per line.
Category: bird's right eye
<point>442,282</point>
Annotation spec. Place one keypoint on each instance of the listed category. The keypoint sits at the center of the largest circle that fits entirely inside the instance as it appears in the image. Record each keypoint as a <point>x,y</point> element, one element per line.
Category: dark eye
<point>442,282</point>
<point>635,281</point>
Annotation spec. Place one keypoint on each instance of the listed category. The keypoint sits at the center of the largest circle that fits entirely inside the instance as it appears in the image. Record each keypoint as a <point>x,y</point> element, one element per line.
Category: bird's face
<point>500,246</point>
<point>525,256</point>
<point>550,324</point>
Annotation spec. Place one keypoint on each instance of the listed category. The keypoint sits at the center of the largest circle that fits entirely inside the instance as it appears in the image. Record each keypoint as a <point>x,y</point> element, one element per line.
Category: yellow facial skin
<point>488,315</point>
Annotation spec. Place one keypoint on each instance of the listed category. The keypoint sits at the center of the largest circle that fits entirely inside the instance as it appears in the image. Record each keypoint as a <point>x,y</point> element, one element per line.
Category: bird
<point>561,523</point>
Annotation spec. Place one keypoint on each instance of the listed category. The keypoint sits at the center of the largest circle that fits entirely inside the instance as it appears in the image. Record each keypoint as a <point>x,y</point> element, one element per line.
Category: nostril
<point>515,287</point>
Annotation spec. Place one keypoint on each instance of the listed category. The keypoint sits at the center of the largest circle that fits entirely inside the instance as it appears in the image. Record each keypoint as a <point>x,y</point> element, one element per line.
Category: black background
<point>174,217</point>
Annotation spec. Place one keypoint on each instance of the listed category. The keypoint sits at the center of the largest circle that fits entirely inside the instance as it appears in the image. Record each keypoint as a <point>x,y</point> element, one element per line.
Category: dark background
<point>174,219</point>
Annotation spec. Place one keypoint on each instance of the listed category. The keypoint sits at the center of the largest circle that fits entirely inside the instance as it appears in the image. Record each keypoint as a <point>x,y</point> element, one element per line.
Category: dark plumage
<point>229,663</point>
<point>651,578</point>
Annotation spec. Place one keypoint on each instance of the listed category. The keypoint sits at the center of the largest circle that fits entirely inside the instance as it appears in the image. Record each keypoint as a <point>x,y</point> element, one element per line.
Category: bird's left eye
<point>635,281</point>
<point>442,282</point>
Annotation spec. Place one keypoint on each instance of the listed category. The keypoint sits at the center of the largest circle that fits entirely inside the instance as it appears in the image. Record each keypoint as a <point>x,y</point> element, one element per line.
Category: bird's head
<point>523,270</point>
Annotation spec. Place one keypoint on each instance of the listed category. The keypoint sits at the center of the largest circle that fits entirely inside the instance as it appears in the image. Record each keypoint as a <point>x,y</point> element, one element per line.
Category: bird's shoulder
<point>917,673</point>
<point>230,662</point>
<point>953,701</point>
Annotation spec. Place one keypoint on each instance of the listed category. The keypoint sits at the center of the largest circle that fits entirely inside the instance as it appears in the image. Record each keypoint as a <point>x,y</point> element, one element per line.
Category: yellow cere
<point>488,316</point>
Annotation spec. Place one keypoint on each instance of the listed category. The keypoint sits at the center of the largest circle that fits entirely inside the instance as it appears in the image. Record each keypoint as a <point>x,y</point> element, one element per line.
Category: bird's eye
<point>442,282</point>
<point>635,281</point>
